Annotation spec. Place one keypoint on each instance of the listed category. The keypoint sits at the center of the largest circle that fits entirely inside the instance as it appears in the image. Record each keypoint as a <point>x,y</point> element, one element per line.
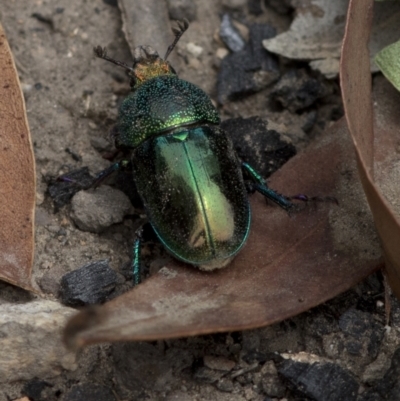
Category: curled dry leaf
<point>17,177</point>
<point>290,263</point>
<point>316,33</point>
<point>374,128</point>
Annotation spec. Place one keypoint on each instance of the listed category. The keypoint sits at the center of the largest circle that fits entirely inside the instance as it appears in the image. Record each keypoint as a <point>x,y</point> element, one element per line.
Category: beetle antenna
<point>178,31</point>
<point>101,52</point>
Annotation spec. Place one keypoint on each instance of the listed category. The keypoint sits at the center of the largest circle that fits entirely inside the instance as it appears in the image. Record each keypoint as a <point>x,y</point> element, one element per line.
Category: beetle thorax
<point>148,64</point>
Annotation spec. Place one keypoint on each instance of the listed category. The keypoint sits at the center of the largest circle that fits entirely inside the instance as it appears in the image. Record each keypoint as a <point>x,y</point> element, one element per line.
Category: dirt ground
<point>71,100</point>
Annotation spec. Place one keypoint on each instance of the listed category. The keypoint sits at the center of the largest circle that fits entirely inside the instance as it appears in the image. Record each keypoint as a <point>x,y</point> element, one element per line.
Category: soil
<point>71,100</point>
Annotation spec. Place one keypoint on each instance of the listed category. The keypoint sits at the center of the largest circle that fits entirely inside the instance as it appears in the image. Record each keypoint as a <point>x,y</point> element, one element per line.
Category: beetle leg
<point>260,186</point>
<point>79,178</point>
<point>136,259</point>
<point>102,175</point>
<point>98,179</point>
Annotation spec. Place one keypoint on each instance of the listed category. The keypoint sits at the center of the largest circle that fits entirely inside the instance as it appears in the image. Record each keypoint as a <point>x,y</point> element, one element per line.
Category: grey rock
<point>30,341</point>
<point>96,210</point>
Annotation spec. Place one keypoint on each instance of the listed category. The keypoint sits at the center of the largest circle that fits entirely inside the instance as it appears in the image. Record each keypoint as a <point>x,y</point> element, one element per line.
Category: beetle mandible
<point>184,166</point>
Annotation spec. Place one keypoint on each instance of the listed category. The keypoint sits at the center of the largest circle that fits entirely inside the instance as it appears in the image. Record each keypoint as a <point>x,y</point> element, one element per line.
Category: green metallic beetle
<point>184,165</point>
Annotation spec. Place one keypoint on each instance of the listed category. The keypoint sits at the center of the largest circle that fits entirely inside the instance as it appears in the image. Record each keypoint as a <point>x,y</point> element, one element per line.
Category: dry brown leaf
<point>374,131</point>
<point>316,33</point>
<point>17,177</point>
<point>289,264</point>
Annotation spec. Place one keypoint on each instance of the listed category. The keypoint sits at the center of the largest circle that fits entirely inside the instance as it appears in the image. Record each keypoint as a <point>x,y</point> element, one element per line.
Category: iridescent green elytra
<point>184,166</point>
<point>192,187</point>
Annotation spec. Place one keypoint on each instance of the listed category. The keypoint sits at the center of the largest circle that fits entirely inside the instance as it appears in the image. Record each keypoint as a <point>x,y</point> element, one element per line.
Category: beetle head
<point>148,64</point>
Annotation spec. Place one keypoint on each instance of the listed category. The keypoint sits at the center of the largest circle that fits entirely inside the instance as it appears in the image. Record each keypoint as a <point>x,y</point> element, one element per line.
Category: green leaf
<point>388,61</point>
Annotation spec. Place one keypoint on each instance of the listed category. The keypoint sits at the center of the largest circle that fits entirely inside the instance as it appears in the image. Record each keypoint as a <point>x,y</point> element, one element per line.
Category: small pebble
<point>225,385</point>
<point>207,375</point>
<point>98,209</point>
<point>218,363</point>
<point>221,53</point>
<point>26,88</point>
<point>230,35</point>
<point>100,144</point>
<point>194,50</point>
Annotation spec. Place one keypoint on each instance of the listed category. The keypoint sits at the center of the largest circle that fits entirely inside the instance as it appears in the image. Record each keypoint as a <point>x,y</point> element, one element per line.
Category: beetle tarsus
<point>305,198</point>
<point>100,52</point>
<point>181,27</point>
